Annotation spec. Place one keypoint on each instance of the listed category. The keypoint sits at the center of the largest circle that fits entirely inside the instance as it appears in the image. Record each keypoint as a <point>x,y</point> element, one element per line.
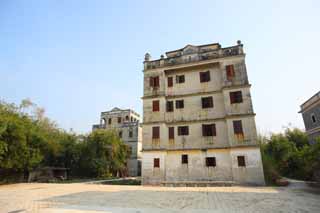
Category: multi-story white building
<point>127,123</point>
<point>198,122</point>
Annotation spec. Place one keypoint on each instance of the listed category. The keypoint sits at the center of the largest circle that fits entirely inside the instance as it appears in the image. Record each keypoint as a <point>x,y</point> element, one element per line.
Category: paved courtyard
<point>82,197</point>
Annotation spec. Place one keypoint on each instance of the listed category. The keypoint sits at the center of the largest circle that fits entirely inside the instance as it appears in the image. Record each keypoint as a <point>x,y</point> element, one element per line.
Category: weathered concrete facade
<point>127,124</point>
<point>198,122</point>
<point>311,116</point>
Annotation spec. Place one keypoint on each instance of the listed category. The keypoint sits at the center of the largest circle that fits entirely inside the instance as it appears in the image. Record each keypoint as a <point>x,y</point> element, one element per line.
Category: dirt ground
<point>84,197</point>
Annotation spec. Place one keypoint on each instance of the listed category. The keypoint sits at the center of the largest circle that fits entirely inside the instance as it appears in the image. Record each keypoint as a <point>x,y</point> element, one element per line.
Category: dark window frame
<point>154,81</point>
<point>171,133</point>
<point>156,162</point>
<point>211,162</point>
<point>109,121</point>
<point>180,79</point>
<point>209,130</point>
<point>205,76</point>
<point>236,97</point>
<point>156,132</point>
<point>313,118</point>
<point>207,102</point>
<point>170,106</point>
<point>180,104</point>
<point>183,130</point>
<point>155,106</point>
<point>184,159</point>
<point>119,120</point>
<point>237,127</point>
<point>241,161</point>
<point>170,81</point>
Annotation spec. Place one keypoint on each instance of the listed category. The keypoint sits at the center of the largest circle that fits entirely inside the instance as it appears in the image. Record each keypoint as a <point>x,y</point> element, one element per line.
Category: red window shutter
<point>171,132</point>
<point>155,132</point>
<point>155,106</point>
<point>170,81</point>
<point>230,72</point>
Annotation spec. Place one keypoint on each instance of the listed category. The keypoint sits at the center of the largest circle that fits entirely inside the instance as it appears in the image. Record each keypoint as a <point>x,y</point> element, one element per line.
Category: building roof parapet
<point>191,53</point>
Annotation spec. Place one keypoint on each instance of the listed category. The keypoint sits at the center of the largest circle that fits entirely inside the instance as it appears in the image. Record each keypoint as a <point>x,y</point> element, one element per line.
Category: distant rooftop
<point>118,110</point>
<point>315,98</point>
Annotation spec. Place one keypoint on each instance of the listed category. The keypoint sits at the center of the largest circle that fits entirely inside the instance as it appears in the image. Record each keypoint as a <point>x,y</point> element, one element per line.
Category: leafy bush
<point>289,154</point>
<point>29,140</point>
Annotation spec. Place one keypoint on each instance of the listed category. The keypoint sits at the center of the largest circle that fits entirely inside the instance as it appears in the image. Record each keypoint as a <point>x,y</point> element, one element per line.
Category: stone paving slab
<point>91,198</point>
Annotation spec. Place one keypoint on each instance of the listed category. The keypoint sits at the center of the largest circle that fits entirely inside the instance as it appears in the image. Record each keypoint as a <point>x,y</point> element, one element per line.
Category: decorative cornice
<point>201,149</point>
<point>201,120</point>
<point>199,93</point>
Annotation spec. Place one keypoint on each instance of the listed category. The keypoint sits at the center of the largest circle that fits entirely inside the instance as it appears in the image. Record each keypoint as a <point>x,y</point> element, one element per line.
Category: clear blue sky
<point>78,58</point>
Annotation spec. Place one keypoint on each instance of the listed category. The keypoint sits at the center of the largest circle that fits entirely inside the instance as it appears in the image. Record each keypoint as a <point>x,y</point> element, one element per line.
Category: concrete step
<point>197,183</point>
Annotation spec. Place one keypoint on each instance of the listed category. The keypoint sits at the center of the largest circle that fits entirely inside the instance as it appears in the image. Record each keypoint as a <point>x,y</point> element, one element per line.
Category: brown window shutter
<point>204,130</point>
<point>155,132</point>
<point>151,81</point>
<point>208,76</point>
<point>171,132</point>
<point>237,127</point>
<point>209,130</point>
<point>156,81</point>
<point>179,104</point>
<point>214,132</point>
<point>155,106</point>
<point>170,81</point>
<point>232,97</point>
<point>201,77</point>
<point>156,163</point>
<point>239,97</point>
<point>241,161</point>
<point>169,106</point>
<point>204,76</point>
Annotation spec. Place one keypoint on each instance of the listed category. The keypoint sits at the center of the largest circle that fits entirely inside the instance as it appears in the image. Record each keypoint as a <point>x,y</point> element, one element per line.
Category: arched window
<point>127,117</point>
<point>103,121</point>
